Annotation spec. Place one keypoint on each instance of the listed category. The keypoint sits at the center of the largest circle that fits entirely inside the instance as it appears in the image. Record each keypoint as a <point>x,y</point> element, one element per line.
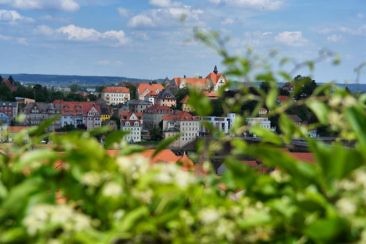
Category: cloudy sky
<point>153,38</point>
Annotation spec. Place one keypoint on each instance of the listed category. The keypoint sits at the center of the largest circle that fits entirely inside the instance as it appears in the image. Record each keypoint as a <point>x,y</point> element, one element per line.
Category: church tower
<point>215,70</point>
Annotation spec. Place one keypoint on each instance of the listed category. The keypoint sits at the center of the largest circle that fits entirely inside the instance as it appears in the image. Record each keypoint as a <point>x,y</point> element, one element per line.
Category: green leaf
<point>357,119</point>
<point>266,135</point>
<point>19,195</point>
<point>335,160</point>
<point>114,137</point>
<point>131,218</point>
<point>13,235</point>
<point>319,109</point>
<point>200,103</point>
<point>271,98</point>
<point>327,230</point>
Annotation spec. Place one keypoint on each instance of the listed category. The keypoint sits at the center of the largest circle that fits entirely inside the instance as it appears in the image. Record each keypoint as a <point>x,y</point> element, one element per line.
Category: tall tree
<point>304,86</point>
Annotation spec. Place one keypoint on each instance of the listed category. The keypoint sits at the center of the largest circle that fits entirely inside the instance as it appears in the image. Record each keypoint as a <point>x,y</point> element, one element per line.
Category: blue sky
<point>148,39</point>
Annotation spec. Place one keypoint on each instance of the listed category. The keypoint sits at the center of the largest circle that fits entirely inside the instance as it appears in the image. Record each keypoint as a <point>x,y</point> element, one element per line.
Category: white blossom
<point>43,217</point>
<point>346,206</point>
<point>112,189</point>
<point>209,215</point>
<point>91,179</point>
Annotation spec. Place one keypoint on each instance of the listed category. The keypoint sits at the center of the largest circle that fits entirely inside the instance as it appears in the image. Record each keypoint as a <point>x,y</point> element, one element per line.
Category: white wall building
<point>114,95</point>
<point>223,124</point>
<point>182,123</point>
<point>132,123</point>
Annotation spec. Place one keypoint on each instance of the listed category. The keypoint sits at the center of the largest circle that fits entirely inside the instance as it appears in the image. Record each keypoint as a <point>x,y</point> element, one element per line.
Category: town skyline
<point>154,39</point>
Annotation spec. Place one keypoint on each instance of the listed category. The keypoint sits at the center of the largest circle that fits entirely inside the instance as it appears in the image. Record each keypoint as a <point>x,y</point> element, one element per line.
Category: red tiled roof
<point>116,89</point>
<point>158,109</point>
<point>153,89</point>
<point>180,116</point>
<point>214,77</point>
<point>76,108</point>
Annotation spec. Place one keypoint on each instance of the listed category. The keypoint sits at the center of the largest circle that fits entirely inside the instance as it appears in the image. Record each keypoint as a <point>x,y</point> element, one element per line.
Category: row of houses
<point>155,93</point>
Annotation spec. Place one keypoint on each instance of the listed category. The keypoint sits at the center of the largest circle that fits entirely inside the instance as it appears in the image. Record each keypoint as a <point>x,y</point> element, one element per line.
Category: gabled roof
<point>77,108</point>
<point>151,89</point>
<point>116,89</point>
<point>42,107</point>
<point>214,77</point>
<point>128,115</point>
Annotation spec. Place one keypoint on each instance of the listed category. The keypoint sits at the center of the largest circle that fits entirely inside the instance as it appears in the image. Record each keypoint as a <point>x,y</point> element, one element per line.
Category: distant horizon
<point>138,79</point>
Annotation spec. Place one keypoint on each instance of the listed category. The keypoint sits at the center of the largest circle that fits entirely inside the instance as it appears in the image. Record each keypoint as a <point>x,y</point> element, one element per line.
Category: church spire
<point>215,70</point>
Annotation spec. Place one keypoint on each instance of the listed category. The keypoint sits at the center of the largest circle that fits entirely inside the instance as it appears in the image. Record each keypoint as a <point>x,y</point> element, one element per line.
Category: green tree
<point>304,86</point>
<point>133,91</point>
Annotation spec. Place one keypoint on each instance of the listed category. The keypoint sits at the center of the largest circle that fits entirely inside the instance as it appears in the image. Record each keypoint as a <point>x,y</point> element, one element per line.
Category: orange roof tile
<point>186,162</point>
<point>193,81</point>
<point>164,156</point>
<point>116,89</point>
<point>214,77</point>
<point>180,116</point>
<point>153,89</point>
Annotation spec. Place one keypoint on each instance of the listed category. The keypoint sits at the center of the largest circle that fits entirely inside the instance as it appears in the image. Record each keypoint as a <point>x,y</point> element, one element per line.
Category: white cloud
<point>64,5</point>
<point>10,16</point>
<point>19,40</point>
<point>44,30</point>
<point>141,21</point>
<point>123,12</point>
<point>76,33</point>
<point>165,16</point>
<point>255,4</point>
<point>161,3</point>
<point>334,38</point>
<point>291,38</point>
